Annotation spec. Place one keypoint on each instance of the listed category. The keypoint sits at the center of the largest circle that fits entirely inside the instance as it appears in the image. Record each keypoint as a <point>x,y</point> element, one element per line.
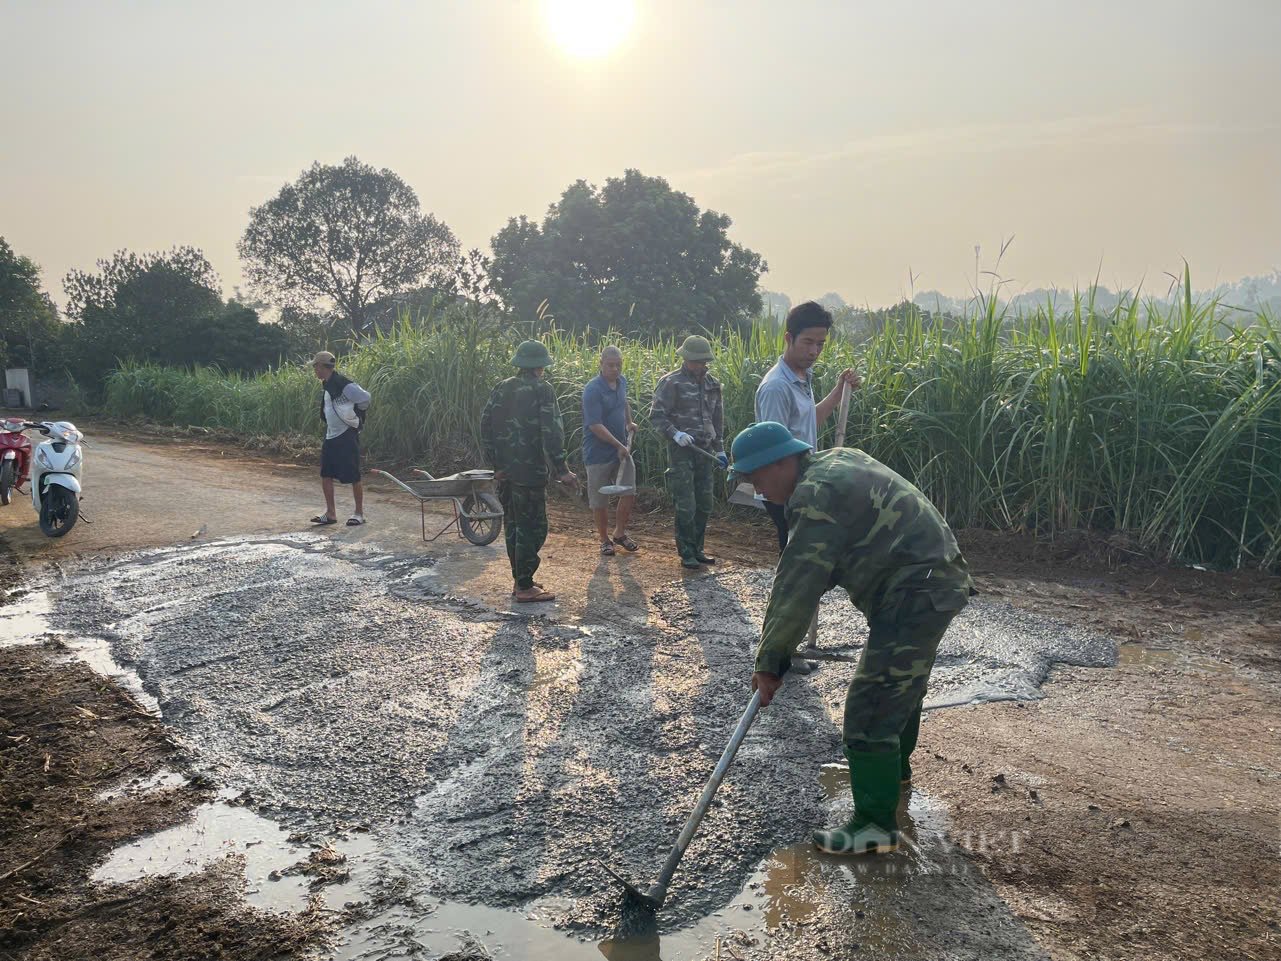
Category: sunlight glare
<point>589,28</point>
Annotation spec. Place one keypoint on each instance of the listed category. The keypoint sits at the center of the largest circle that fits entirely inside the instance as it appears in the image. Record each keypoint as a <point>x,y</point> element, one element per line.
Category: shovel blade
<point>745,494</point>
<point>625,481</point>
<point>645,899</point>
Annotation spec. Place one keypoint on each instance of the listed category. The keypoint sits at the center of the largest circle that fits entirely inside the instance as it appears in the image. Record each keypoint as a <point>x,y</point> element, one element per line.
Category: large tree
<point>164,308</point>
<point>29,326</point>
<point>140,306</point>
<point>635,254</point>
<point>347,234</point>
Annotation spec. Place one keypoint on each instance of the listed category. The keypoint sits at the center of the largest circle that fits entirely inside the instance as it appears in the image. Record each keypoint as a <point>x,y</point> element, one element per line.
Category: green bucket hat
<point>531,354</point>
<point>761,444</point>
<point>695,348</point>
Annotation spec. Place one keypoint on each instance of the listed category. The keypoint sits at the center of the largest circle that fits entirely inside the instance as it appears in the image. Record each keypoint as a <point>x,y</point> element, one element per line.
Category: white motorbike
<point>55,476</point>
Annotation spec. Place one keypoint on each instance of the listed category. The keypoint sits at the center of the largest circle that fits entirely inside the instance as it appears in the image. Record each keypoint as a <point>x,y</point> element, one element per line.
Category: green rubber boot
<point>874,781</point>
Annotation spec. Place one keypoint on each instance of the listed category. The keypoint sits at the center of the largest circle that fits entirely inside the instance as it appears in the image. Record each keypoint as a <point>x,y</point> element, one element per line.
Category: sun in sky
<point>589,28</point>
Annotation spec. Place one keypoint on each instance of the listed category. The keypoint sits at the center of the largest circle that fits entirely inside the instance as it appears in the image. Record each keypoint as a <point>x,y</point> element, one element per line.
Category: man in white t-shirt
<point>343,403</point>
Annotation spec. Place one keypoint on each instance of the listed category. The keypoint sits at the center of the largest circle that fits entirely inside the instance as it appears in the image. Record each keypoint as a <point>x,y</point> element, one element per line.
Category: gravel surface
<point>491,757</point>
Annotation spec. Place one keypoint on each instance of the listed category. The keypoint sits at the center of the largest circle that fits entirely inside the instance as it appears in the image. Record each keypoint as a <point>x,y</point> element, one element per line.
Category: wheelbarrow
<point>478,514</point>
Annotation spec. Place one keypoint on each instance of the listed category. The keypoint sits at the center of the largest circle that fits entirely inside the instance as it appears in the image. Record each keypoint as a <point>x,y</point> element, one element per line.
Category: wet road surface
<point>470,762</point>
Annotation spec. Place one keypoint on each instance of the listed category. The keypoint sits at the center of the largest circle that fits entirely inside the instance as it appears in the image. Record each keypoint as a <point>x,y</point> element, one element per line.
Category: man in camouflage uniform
<point>689,412</point>
<point>521,430</point>
<point>857,524</point>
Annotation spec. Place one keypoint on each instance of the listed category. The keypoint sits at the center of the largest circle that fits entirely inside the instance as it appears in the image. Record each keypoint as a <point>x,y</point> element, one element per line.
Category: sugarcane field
<point>430,528</point>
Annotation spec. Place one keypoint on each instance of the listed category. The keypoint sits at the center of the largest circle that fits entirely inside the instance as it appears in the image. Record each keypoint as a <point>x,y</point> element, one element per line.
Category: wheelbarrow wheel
<point>483,530</point>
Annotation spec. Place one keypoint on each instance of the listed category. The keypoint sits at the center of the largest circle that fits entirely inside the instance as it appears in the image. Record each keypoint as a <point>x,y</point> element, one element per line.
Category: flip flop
<point>355,520</point>
<point>627,544</point>
<point>607,550</point>
<point>535,598</point>
<point>320,520</point>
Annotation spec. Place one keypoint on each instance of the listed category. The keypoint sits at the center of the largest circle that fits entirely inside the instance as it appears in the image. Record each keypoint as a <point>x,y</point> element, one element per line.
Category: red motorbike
<point>15,457</point>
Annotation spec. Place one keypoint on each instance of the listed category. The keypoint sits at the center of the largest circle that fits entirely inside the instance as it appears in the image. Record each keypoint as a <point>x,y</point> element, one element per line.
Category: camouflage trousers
<point>689,481</point>
<point>525,528</point>
<point>883,706</point>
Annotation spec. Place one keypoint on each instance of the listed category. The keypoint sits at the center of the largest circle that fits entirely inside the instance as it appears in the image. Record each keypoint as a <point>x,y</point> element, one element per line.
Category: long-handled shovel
<point>657,894</point>
<point>842,415</point>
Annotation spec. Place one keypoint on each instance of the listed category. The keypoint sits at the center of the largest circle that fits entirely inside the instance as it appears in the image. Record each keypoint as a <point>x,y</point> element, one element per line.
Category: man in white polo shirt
<point>786,394</point>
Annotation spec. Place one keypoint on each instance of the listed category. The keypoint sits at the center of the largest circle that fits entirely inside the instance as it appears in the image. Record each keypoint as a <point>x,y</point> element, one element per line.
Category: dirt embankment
<point>66,736</point>
<point>1146,796</point>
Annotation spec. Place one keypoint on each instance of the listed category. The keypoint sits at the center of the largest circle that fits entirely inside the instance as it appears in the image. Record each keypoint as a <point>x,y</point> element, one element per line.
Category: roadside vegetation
<point>1158,421</point>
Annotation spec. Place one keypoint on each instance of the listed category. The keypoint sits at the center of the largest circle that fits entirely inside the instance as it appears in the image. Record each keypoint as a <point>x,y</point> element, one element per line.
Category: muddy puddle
<point>1142,655</point>
<point>794,900</point>
<point>448,774</point>
<point>215,831</point>
<point>30,620</point>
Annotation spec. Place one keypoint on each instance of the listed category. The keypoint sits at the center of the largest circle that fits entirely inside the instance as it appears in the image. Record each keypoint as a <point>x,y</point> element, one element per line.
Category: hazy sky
<point>848,140</point>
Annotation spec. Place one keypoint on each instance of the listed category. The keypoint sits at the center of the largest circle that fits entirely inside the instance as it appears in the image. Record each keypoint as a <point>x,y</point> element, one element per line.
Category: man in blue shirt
<point>786,394</point>
<point>607,428</point>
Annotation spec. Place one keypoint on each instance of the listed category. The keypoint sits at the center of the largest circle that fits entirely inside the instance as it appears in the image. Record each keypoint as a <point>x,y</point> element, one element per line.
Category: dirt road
<point>443,760</point>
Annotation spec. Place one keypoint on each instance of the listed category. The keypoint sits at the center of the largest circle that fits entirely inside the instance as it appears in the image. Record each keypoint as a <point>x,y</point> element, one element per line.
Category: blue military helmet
<point>761,444</point>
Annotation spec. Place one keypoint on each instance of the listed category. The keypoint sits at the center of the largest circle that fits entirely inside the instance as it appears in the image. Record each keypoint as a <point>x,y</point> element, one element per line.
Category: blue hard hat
<point>761,444</point>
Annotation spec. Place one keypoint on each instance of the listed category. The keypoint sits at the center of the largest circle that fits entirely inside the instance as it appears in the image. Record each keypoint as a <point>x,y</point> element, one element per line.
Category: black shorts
<point>340,457</point>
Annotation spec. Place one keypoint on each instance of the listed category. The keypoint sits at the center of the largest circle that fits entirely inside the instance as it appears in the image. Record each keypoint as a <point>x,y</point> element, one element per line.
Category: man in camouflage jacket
<point>689,412</point>
<point>857,524</point>
<point>521,430</point>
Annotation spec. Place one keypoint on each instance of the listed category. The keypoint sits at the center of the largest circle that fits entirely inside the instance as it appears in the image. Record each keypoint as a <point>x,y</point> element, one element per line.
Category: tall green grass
<point>1163,422</point>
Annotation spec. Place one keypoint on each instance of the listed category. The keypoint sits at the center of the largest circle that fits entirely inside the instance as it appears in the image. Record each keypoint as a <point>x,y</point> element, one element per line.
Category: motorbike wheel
<point>59,509</point>
<point>6,482</point>
<point>481,531</point>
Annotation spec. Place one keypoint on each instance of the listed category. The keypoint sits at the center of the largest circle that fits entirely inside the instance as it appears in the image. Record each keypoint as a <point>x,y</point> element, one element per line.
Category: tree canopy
<point>164,308</point>
<point>348,235</point>
<point>29,325</point>
<point>635,254</point>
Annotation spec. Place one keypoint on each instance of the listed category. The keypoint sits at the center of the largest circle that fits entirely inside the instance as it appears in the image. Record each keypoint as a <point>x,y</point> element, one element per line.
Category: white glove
<point>682,438</point>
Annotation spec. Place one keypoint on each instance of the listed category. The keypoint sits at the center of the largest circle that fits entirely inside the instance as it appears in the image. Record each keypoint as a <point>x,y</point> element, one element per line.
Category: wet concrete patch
<point>992,651</point>
<point>475,764</point>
